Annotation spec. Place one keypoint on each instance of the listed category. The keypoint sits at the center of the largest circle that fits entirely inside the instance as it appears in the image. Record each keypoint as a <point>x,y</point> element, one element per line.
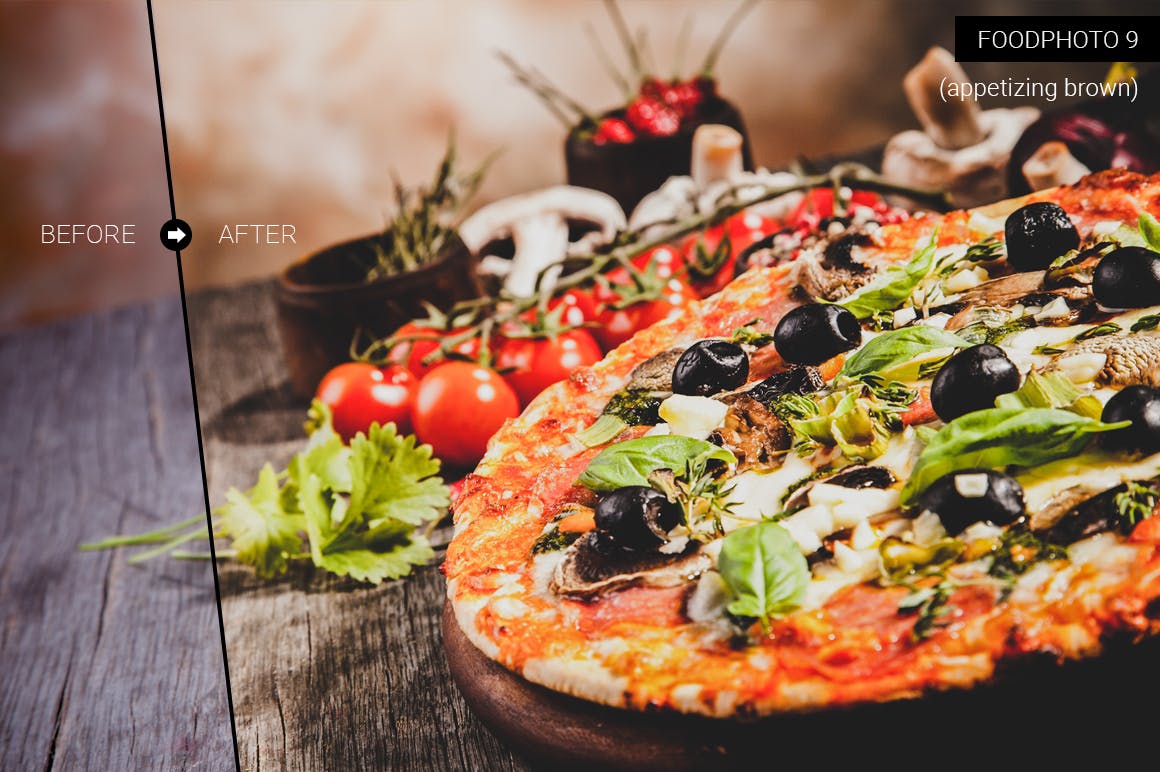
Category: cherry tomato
<point>359,394</point>
<point>743,229</point>
<point>458,407</point>
<point>579,309</point>
<point>412,353</point>
<point>668,261</point>
<point>616,325</point>
<point>819,205</point>
<point>537,363</point>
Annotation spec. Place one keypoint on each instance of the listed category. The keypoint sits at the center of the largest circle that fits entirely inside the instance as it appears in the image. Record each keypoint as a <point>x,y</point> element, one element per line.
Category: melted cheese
<point>1092,471</point>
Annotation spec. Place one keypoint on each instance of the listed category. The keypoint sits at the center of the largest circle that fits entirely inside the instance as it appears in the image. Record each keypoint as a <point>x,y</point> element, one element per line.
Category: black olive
<point>1128,277</point>
<point>796,380</point>
<point>815,332</point>
<point>1141,406</point>
<point>864,477</point>
<point>637,517</point>
<point>970,381</point>
<point>1037,234</point>
<point>710,366</point>
<point>974,495</point>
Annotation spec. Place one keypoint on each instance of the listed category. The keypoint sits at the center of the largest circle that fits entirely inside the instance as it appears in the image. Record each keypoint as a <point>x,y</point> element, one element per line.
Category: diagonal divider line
<point>193,388</point>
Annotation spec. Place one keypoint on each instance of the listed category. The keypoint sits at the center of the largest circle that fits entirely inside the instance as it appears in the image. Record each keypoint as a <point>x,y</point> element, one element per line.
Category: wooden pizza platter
<point>1104,709</point>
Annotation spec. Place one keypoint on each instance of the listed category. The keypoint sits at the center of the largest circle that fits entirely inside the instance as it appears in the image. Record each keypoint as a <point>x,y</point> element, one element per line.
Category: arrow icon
<point>176,235</point>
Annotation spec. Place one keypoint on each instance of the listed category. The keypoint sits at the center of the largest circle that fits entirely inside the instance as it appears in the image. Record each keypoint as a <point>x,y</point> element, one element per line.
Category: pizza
<point>913,454</point>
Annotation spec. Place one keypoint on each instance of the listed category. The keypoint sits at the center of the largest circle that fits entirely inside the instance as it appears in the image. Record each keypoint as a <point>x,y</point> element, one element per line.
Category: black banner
<point>1056,39</point>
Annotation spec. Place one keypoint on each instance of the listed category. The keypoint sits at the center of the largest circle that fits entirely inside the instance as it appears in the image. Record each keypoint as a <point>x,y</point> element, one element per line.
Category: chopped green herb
<point>1019,549</point>
<point>748,335</point>
<point>989,248</point>
<point>1099,330</point>
<point>553,540</point>
<point>931,605</point>
<point>789,407</point>
<point>636,407</point>
<point>1145,323</point>
<point>1135,503</point>
<point>930,368</point>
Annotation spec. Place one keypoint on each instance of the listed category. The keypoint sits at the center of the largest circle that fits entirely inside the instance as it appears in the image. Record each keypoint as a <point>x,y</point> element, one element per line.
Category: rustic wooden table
<point>326,674</point>
<point>105,665</point>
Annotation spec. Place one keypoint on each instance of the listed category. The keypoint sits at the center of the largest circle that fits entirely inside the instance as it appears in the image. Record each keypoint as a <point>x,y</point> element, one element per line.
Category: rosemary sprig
<point>425,218</point>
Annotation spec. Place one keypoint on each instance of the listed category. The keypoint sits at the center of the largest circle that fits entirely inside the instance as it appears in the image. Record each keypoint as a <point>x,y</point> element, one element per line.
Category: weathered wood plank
<point>326,674</point>
<point>106,665</point>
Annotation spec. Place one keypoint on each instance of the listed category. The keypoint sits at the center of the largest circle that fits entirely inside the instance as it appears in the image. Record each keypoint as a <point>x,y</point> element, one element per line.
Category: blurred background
<point>300,112</point>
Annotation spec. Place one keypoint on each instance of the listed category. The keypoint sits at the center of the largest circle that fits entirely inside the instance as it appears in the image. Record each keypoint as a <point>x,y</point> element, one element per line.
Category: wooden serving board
<point>1103,708</point>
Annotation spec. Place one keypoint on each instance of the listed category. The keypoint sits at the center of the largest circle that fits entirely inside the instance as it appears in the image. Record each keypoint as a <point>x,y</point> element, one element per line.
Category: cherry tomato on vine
<point>359,394</point>
<point>537,363</point>
<point>579,308</point>
<point>668,260</point>
<point>458,407</point>
<point>711,261</point>
<point>819,204</point>
<point>617,325</point>
<point>413,353</point>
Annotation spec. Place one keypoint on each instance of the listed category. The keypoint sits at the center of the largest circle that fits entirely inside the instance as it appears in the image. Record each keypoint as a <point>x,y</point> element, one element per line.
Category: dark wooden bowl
<point>1037,713</point>
<point>322,301</point>
<point>630,171</point>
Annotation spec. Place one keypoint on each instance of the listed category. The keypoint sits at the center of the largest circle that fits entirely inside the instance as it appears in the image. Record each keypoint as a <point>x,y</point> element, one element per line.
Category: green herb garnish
<point>1145,323</point>
<point>423,226</point>
<point>892,287</point>
<point>999,437</point>
<point>632,461</point>
<point>1019,549</point>
<point>553,540</point>
<point>932,605</point>
<point>897,354</point>
<point>765,572</point>
<point>1135,503</point>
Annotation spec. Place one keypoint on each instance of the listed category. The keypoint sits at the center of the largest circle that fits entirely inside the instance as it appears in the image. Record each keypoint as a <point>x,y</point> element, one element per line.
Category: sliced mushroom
<point>1127,360</point>
<point>752,432</point>
<point>655,373</point>
<point>538,224</point>
<point>1015,288</point>
<point>819,278</point>
<point>593,566</point>
<point>961,149</point>
<point>1052,165</point>
<point>1059,505</point>
<point>1090,516</point>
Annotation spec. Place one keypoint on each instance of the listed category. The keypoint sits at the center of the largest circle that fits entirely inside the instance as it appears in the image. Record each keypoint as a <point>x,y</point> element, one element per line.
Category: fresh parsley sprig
<point>352,510</point>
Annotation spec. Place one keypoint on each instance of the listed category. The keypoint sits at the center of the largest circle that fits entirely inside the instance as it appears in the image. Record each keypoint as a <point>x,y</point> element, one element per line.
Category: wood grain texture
<point>326,674</point>
<point>105,665</point>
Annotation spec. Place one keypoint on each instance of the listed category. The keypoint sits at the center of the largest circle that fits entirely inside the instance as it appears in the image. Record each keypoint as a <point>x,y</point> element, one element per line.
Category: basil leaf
<point>891,289</point>
<point>893,354</point>
<point>1150,230</point>
<point>765,571</point>
<point>630,462</point>
<point>999,437</point>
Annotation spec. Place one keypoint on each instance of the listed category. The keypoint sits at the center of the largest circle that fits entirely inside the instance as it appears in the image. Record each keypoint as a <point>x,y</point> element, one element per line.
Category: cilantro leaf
<point>264,532</point>
<point>367,532</point>
<point>393,478</point>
